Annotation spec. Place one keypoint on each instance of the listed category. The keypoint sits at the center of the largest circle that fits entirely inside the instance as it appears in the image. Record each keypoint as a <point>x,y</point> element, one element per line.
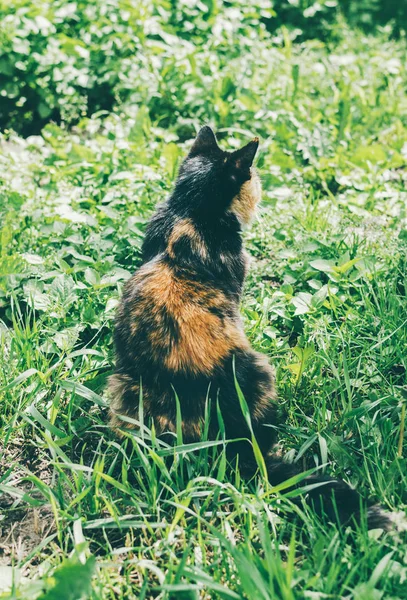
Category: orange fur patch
<point>163,424</point>
<point>245,202</point>
<point>185,228</point>
<point>204,339</point>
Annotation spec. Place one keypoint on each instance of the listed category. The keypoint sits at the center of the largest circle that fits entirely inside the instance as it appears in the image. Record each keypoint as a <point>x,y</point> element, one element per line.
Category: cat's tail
<point>331,498</point>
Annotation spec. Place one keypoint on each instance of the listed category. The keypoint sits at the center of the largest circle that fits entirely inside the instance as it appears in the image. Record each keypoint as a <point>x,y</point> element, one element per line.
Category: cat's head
<point>212,182</point>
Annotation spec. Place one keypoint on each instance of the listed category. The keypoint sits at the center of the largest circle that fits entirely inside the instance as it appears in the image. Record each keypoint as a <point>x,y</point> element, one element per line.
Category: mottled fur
<point>178,325</point>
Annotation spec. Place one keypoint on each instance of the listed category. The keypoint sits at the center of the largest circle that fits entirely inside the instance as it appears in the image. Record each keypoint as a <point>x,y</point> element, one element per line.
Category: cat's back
<point>176,321</point>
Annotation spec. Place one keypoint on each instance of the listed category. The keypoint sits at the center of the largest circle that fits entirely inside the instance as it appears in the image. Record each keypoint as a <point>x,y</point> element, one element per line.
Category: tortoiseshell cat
<point>178,325</point>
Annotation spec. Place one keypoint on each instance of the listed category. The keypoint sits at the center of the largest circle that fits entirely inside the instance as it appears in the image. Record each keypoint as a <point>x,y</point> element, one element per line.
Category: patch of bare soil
<point>22,530</point>
<point>22,527</point>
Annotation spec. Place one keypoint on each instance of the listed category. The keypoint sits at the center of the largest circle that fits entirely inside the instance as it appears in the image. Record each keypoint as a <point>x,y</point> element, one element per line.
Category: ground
<point>84,514</point>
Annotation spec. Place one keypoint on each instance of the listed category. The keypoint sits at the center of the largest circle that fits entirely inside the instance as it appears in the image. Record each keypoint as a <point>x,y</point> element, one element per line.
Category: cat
<point>178,327</point>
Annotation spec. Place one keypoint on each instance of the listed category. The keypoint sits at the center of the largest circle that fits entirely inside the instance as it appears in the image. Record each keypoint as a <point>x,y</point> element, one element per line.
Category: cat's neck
<point>198,246</point>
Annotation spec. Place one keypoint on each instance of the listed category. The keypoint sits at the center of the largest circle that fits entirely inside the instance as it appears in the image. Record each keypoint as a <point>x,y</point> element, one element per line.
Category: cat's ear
<point>204,142</point>
<point>243,158</point>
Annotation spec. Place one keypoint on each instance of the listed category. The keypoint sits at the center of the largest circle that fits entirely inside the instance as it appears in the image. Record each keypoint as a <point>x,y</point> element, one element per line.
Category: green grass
<point>86,515</point>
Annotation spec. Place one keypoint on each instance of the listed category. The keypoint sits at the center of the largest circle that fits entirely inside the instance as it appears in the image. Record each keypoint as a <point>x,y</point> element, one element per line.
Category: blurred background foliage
<point>61,61</point>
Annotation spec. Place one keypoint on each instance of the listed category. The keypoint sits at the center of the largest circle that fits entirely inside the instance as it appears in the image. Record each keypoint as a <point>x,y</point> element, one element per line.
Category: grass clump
<point>85,515</point>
